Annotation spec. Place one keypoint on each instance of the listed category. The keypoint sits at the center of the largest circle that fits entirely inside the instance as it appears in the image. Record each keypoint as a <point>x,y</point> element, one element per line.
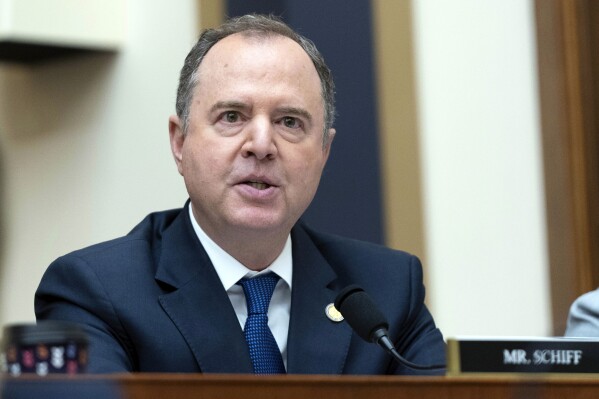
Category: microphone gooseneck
<point>369,323</point>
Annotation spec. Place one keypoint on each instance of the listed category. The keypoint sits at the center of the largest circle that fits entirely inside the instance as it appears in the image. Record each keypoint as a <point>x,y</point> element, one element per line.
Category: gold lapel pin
<point>333,314</point>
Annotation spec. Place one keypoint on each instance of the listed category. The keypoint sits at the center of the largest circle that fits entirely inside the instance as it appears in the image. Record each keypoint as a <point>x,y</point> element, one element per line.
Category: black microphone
<point>369,323</point>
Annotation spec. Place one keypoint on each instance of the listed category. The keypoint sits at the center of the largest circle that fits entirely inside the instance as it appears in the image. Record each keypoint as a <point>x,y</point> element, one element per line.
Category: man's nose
<point>260,140</point>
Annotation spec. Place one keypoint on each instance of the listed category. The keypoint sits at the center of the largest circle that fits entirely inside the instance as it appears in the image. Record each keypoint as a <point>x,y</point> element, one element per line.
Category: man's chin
<point>262,224</point>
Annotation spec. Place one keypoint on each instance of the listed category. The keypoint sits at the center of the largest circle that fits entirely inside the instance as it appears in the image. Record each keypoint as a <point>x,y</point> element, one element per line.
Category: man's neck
<point>256,250</point>
<point>254,253</point>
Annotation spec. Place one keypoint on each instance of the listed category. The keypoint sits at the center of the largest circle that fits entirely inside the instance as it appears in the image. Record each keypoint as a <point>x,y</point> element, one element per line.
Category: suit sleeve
<point>419,339</point>
<point>583,320</point>
<point>71,291</point>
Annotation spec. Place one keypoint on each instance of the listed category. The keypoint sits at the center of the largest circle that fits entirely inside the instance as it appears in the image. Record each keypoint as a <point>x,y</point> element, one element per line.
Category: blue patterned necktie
<point>264,352</point>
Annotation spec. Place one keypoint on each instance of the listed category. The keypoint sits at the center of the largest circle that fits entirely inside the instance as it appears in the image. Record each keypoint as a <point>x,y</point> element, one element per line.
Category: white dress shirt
<point>230,271</point>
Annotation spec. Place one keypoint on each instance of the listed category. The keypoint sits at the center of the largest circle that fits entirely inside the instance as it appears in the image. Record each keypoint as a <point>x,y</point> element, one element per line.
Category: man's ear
<point>177,137</point>
<point>327,145</point>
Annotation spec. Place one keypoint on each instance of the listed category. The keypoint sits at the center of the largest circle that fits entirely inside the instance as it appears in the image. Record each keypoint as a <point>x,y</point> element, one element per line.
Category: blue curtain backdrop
<point>348,201</point>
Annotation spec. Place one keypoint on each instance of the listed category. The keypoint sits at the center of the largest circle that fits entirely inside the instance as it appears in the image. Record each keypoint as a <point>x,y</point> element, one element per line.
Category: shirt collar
<point>230,270</point>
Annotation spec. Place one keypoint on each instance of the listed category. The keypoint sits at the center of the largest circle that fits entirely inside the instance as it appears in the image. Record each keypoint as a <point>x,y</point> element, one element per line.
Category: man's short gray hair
<point>260,26</point>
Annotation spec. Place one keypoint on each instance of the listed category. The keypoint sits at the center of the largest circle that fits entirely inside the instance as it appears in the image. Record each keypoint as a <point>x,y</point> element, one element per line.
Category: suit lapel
<point>200,308</point>
<point>198,305</point>
<point>316,345</point>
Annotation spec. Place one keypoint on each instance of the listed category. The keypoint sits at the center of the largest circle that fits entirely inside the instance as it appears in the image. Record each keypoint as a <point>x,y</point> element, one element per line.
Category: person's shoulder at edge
<point>583,319</point>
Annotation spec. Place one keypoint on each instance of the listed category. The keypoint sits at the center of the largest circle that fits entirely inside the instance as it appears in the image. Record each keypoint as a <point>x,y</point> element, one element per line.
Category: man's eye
<point>291,122</point>
<point>231,116</point>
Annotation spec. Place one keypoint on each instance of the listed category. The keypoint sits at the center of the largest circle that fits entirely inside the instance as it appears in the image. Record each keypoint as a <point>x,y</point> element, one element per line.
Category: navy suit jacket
<point>152,302</point>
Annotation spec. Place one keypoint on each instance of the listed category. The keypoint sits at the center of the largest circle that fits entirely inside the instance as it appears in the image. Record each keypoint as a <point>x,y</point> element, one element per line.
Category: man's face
<point>253,154</point>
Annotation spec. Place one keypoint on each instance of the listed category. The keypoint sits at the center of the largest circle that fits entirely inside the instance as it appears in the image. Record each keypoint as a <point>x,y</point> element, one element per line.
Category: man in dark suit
<point>253,131</point>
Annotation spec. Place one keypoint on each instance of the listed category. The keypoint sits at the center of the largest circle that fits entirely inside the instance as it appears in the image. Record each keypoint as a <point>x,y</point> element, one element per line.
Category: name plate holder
<point>490,355</point>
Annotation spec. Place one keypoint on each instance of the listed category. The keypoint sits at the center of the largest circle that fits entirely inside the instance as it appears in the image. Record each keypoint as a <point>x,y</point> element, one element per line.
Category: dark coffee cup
<point>48,347</point>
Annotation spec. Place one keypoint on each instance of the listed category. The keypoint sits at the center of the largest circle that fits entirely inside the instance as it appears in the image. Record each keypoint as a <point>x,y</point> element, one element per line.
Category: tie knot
<point>258,291</point>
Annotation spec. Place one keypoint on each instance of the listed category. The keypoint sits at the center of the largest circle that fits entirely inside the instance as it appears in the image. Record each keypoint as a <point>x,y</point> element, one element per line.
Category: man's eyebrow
<point>296,111</point>
<point>228,104</point>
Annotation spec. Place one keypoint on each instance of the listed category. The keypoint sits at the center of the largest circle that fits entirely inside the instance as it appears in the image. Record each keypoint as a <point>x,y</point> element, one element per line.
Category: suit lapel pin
<point>333,314</point>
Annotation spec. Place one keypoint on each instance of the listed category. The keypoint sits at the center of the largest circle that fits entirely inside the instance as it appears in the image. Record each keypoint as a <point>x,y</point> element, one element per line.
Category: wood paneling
<point>211,13</point>
<point>568,61</point>
<point>198,386</point>
<point>398,126</point>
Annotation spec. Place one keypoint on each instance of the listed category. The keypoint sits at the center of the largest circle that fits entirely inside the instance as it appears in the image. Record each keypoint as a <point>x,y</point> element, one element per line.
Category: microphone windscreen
<point>360,312</point>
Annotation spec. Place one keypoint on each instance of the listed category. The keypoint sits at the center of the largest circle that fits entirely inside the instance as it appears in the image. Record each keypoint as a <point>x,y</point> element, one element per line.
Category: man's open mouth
<point>259,185</point>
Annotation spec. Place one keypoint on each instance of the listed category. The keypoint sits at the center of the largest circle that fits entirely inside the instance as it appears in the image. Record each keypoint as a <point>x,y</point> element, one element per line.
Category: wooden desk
<point>184,386</point>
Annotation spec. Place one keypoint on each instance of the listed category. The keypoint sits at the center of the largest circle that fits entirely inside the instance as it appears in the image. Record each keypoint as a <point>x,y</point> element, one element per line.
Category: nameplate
<point>522,355</point>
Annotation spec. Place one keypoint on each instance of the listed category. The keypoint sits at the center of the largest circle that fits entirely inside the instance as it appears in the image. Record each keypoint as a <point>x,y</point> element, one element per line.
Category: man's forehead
<point>241,66</point>
<point>233,45</point>
<point>254,36</point>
